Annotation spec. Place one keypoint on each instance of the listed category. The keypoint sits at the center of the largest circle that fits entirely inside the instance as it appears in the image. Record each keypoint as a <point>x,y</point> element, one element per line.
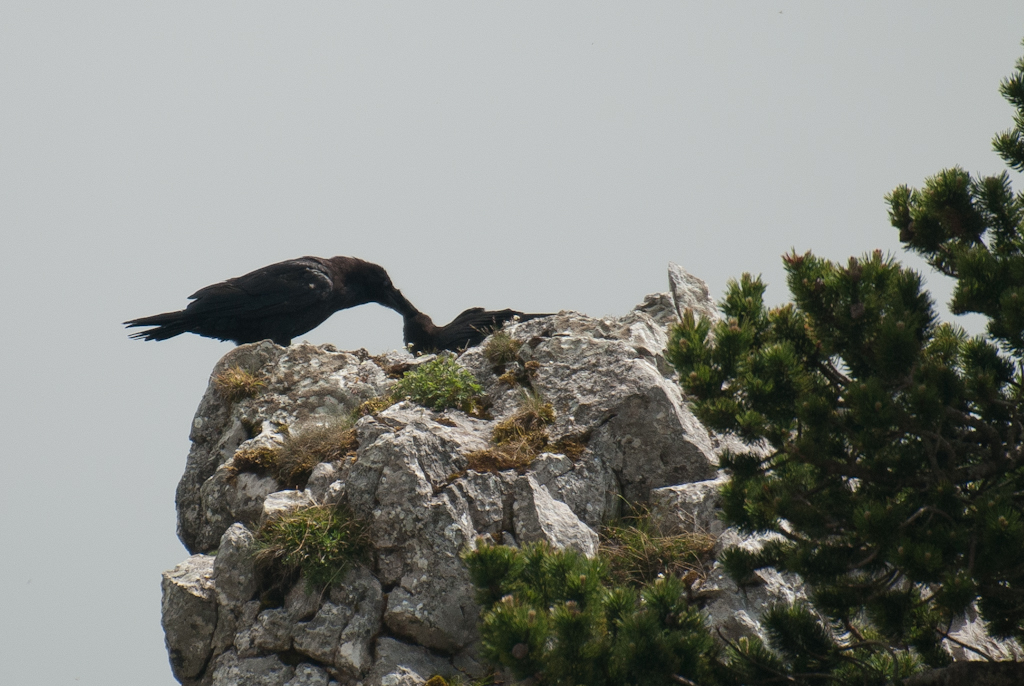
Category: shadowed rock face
<point>621,430</point>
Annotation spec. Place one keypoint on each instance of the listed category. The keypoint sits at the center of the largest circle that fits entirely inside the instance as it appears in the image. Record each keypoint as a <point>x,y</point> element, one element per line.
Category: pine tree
<point>553,617</point>
<point>893,478</point>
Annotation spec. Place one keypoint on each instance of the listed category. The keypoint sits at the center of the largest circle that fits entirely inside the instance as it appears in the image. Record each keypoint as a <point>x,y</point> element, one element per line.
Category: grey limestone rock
<point>233,572</point>
<point>308,675</point>
<point>539,517</point>
<point>302,602</point>
<point>691,293</point>
<point>488,497</point>
<point>659,307</point>
<point>189,615</point>
<point>692,507</point>
<point>342,631</point>
<point>587,486</point>
<point>227,498</point>
<point>405,449</point>
<point>324,474</point>
<point>400,663</point>
<point>231,670</point>
<point>970,631</point>
<point>734,611</point>
<point>285,502</point>
<point>432,602</point>
<point>301,381</point>
<point>272,632</point>
<point>234,579</point>
<point>402,676</point>
<point>602,388</point>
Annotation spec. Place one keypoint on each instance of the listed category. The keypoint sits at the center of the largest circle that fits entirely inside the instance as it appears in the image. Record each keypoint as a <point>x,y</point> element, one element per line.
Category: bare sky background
<point>541,156</point>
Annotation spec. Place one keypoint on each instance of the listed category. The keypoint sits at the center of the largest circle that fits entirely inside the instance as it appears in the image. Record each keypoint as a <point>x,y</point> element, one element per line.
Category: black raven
<point>287,299</point>
<point>466,330</point>
<point>279,302</point>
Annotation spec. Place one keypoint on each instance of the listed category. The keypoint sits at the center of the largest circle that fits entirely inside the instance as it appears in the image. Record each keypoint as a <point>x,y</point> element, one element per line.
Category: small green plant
<point>638,553</point>
<point>439,384</point>
<point>236,383</point>
<point>320,541</point>
<point>500,349</point>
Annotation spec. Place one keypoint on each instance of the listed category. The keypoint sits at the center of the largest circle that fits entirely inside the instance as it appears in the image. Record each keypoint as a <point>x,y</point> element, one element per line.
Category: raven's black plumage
<point>287,299</point>
<point>279,302</point>
<point>466,330</point>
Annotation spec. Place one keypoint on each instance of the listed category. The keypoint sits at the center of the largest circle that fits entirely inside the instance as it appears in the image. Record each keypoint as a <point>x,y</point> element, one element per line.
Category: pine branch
<point>965,646</point>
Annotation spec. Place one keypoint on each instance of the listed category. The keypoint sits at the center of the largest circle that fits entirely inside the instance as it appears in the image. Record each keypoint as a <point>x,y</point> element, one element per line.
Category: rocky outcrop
<point>189,613</point>
<point>621,431</point>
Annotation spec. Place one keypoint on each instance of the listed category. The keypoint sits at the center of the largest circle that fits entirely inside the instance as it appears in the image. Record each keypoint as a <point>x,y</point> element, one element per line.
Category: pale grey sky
<point>540,156</point>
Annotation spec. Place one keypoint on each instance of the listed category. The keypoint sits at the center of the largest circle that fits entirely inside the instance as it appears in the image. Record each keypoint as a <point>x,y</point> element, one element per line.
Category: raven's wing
<point>281,288</point>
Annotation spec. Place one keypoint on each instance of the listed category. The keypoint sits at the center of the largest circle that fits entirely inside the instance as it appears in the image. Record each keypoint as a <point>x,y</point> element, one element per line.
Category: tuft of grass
<point>499,459</point>
<point>439,384</point>
<point>261,460</point>
<point>509,378</point>
<point>533,403</point>
<point>501,349</point>
<point>305,449</point>
<point>518,374</point>
<point>236,383</point>
<point>526,426</point>
<point>518,439</point>
<point>320,541</point>
<point>293,461</point>
<point>572,446</point>
<point>457,680</point>
<point>373,406</point>
<point>638,553</point>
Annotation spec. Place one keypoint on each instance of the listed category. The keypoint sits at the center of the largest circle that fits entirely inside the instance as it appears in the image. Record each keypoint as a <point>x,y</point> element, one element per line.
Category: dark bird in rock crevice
<point>466,330</point>
<point>286,299</point>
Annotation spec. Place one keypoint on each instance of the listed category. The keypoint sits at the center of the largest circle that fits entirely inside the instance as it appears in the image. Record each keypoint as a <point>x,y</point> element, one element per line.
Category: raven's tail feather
<point>167,325</point>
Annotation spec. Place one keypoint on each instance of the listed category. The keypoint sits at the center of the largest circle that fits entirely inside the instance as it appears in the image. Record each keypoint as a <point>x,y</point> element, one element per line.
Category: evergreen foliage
<point>893,473</point>
<point>557,618</point>
<point>552,616</point>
